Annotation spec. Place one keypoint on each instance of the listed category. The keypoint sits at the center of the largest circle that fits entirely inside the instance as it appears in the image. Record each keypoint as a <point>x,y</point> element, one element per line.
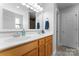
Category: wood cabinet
<point>48,46</point>
<point>34,52</point>
<point>40,47</point>
<point>20,50</point>
<point>45,46</point>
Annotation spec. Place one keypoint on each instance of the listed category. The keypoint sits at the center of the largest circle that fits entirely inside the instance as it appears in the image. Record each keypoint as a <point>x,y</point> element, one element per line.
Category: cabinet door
<point>41,50</point>
<point>32,53</point>
<point>48,46</point>
<point>20,50</point>
<point>48,51</point>
<point>42,47</point>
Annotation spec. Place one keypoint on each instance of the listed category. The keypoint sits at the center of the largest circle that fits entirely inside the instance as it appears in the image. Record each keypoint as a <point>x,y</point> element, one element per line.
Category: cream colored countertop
<point>8,42</point>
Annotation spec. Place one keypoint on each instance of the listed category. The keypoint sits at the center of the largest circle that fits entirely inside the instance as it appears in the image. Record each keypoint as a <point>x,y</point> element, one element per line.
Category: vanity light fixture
<point>23,3</point>
<point>35,10</point>
<point>27,6</point>
<point>17,6</point>
<point>33,6</point>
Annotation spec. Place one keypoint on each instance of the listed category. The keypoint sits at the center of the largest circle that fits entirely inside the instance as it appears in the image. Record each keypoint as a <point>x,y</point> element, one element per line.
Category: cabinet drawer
<point>48,38</point>
<point>41,41</point>
<point>20,50</point>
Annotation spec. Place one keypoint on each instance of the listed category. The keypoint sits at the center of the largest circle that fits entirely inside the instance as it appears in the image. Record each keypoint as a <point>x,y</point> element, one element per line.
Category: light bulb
<point>23,3</point>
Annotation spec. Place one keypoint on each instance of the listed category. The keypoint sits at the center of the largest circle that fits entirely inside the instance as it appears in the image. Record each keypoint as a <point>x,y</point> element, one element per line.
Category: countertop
<point>8,42</point>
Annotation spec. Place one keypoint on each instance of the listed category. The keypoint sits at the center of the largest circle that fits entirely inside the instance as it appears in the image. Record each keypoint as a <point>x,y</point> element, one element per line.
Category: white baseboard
<point>54,53</point>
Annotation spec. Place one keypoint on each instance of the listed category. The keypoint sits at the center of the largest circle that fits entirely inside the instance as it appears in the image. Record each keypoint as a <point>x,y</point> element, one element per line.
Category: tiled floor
<point>65,51</point>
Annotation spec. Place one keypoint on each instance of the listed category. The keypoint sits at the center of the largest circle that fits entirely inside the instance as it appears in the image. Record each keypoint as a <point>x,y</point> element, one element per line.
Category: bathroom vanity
<point>23,32</point>
<point>38,46</point>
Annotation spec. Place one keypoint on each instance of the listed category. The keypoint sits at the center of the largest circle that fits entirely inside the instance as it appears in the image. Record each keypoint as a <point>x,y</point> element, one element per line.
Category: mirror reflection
<point>12,20</point>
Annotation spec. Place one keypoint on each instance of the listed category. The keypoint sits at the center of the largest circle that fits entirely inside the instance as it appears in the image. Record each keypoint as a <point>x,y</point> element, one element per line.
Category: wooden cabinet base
<point>45,46</point>
<point>48,50</point>
<point>40,47</point>
<point>42,50</point>
<point>32,53</point>
<point>20,50</point>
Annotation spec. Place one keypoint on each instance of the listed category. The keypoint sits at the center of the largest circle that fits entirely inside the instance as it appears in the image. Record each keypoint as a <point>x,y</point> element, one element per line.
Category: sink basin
<point>17,39</point>
<point>21,38</point>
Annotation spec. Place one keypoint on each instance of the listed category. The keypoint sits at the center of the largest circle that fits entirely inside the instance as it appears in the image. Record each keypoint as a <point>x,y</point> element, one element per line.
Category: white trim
<point>54,52</point>
<point>77,30</point>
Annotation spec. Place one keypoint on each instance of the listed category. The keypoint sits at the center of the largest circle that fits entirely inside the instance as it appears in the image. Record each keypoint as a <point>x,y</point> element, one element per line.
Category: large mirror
<point>15,16</point>
<point>12,20</point>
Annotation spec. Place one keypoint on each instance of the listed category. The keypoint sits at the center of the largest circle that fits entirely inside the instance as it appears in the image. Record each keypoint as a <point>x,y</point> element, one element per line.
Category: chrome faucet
<point>23,32</point>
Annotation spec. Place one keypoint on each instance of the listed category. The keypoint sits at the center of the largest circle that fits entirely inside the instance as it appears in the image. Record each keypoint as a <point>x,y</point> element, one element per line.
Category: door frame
<point>57,28</point>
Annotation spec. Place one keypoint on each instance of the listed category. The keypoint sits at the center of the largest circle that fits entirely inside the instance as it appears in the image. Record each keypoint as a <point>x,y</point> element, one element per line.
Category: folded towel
<point>47,25</point>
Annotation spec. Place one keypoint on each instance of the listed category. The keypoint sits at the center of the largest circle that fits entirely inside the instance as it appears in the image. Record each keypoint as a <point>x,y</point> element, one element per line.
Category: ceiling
<point>65,5</point>
<point>60,5</point>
